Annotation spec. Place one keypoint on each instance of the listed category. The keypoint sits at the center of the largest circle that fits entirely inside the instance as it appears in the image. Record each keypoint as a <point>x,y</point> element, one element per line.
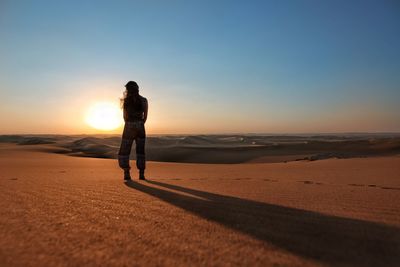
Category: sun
<point>104,116</point>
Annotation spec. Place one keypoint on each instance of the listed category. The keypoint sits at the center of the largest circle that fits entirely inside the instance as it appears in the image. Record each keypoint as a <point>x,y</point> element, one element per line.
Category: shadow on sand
<point>329,239</point>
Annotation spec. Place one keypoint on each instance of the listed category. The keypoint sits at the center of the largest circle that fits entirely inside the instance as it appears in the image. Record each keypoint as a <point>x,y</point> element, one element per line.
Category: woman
<point>135,109</point>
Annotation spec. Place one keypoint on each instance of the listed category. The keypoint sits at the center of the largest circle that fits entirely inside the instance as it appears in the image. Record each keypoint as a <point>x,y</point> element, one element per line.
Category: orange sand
<point>57,210</point>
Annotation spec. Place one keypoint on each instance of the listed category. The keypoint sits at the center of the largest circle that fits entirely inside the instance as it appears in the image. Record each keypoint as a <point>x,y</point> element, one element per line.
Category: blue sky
<point>205,66</point>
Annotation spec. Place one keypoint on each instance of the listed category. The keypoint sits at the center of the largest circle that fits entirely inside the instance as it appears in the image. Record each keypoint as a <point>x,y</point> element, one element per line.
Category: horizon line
<point>222,134</point>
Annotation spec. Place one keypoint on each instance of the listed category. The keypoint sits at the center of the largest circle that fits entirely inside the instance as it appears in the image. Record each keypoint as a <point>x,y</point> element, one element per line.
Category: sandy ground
<point>57,210</point>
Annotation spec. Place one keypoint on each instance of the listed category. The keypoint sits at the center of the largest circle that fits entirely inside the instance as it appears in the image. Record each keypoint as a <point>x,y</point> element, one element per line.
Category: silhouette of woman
<point>135,109</point>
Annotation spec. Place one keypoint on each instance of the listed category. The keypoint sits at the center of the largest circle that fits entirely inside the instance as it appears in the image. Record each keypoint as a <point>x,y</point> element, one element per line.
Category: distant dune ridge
<point>223,148</point>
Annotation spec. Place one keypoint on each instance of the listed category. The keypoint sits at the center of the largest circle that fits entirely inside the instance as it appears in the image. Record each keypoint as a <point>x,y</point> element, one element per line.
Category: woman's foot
<point>141,175</point>
<point>127,175</point>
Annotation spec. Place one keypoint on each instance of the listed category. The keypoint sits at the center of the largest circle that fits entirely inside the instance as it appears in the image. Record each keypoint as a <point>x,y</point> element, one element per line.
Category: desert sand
<point>58,210</point>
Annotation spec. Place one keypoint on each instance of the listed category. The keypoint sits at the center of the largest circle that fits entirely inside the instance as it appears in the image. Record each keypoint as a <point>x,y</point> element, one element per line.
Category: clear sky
<point>204,66</point>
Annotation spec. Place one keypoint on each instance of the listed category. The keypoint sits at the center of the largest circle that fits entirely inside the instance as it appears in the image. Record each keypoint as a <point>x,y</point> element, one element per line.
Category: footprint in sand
<point>307,182</point>
<point>374,185</point>
<point>310,182</point>
<point>356,184</point>
<point>390,188</point>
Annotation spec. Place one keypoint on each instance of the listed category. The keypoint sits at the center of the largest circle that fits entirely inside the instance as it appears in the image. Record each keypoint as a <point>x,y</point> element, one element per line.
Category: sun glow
<point>104,116</point>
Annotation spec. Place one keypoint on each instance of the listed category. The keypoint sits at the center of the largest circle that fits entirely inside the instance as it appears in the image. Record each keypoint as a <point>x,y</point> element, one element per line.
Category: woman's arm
<point>145,109</point>
<point>125,114</point>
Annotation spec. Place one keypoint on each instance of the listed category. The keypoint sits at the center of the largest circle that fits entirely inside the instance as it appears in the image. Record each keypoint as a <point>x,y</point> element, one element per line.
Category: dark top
<point>134,111</point>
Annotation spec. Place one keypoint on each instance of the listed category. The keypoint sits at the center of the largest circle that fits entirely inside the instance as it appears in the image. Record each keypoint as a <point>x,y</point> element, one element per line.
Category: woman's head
<point>131,97</point>
<point>132,88</point>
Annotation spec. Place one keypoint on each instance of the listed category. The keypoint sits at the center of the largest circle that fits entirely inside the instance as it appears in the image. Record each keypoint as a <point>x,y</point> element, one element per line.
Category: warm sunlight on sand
<point>104,116</point>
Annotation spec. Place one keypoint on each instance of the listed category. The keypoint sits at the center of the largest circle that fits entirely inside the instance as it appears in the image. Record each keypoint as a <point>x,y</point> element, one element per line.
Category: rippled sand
<point>58,210</point>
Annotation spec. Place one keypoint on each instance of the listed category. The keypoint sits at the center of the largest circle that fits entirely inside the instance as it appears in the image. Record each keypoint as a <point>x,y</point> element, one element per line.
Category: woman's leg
<point>125,148</point>
<point>140,151</point>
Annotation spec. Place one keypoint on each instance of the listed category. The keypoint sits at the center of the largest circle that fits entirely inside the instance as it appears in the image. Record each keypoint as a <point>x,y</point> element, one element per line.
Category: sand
<point>58,210</point>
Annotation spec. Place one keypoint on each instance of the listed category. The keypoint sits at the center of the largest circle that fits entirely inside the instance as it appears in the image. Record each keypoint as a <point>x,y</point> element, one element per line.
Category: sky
<point>205,66</point>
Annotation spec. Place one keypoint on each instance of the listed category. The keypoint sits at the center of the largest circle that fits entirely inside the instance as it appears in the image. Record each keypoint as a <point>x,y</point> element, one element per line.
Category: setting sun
<point>104,116</point>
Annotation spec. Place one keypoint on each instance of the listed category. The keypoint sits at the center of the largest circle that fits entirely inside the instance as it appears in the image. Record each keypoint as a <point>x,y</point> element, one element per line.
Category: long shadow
<point>329,239</point>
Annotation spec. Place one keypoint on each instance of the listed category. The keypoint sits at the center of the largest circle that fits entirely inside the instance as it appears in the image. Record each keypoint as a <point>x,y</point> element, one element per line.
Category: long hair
<point>131,100</point>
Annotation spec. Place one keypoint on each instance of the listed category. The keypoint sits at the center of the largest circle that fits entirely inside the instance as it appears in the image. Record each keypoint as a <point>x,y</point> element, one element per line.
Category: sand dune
<point>226,148</point>
<point>72,211</point>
